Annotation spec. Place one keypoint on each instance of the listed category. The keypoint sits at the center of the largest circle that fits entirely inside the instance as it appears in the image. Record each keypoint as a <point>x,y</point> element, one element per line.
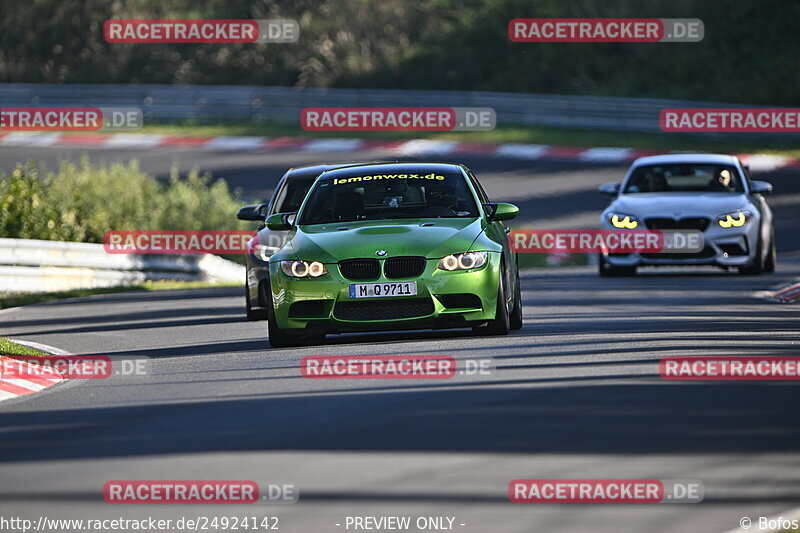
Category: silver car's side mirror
<point>761,187</point>
<point>609,189</point>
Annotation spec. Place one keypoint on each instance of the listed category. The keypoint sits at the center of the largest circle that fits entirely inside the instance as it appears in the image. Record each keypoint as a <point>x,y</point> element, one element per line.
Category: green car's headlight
<point>619,220</point>
<point>303,269</point>
<point>735,219</point>
<point>466,261</point>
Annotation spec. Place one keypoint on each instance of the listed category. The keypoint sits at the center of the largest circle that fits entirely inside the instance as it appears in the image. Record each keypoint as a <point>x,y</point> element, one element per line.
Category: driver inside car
<point>441,201</point>
<point>722,181</point>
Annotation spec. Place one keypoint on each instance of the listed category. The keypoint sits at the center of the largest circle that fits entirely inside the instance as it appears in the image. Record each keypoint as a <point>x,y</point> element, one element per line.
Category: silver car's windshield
<point>685,177</point>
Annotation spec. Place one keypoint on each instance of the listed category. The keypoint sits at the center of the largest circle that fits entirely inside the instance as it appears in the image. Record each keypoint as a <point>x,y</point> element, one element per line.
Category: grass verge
<point>12,348</point>
<point>505,134</point>
<point>8,299</point>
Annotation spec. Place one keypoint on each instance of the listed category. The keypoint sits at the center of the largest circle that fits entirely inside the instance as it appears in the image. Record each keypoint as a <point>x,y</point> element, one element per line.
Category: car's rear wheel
<point>252,314</point>
<point>608,270</point>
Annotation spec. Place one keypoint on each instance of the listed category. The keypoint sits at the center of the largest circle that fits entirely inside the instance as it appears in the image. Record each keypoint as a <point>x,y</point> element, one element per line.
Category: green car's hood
<point>328,244</point>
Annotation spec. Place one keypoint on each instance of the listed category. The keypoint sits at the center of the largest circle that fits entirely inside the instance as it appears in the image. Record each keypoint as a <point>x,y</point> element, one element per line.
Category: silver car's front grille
<point>686,223</point>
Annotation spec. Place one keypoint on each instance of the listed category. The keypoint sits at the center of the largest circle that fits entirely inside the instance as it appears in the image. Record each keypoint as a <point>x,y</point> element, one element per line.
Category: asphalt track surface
<point>575,393</point>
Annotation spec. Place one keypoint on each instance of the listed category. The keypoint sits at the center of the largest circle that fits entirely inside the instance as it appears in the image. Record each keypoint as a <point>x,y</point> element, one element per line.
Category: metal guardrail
<point>283,104</point>
<point>28,265</point>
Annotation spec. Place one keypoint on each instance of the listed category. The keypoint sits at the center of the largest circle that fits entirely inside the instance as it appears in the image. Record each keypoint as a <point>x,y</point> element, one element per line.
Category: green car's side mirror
<point>281,221</point>
<point>502,211</point>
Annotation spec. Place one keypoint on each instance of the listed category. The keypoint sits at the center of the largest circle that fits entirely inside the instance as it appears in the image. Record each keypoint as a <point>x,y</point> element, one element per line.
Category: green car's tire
<point>277,337</point>
<point>516,314</point>
<point>501,324</point>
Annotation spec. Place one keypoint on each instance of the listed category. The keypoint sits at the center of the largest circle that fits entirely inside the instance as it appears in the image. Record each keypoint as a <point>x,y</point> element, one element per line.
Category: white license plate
<point>383,290</point>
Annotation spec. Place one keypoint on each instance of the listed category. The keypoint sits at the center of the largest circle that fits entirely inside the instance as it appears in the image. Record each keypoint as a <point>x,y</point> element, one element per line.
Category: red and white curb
<point>16,387</point>
<point>786,294</point>
<point>416,147</point>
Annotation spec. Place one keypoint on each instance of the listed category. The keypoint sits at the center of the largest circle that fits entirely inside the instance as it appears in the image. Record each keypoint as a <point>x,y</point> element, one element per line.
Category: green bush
<point>80,202</point>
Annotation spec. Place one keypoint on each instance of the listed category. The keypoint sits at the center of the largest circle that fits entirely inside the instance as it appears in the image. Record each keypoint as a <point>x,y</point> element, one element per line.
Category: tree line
<point>749,53</point>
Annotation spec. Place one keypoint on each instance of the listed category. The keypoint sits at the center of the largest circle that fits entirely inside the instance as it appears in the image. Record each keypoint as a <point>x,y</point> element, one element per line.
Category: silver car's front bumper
<point>725,247</point>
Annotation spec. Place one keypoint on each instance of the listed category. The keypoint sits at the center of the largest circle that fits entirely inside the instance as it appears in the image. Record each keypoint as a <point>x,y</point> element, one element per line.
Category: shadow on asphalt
<point>618,413</point>
<point>611,418</point>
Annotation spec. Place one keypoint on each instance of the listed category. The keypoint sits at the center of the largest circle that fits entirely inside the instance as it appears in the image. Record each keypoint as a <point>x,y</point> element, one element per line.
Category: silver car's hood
<point>675,204</point>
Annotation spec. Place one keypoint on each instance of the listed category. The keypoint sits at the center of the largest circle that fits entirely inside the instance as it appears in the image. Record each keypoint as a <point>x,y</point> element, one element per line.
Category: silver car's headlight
<point>734,219</point>
<point>466,261</point>
<point>263,252</point>
<point>303,269</point>
<point>622,221</point>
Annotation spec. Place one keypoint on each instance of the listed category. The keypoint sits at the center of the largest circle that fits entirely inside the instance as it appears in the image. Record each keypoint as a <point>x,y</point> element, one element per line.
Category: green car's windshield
<point>685,177</point>
<point>398,195</point>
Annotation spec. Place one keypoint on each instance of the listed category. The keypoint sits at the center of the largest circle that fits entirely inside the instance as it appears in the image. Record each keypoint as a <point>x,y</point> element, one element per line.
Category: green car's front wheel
<point>501,324</point>
<point>276,337</point>
<point>516,313</point>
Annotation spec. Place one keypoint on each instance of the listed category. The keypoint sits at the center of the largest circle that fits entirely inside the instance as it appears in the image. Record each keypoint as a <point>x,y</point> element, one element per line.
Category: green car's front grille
<point>370,269</point>
<point>384,309</point>
<point>360,269</point>
<point>403,267</point>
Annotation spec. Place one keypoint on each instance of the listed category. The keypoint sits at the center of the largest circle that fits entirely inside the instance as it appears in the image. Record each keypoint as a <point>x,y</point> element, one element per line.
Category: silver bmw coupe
<point>711,193</point>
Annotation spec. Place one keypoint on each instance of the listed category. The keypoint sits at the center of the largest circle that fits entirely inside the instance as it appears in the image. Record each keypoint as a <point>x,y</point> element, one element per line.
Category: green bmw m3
<point>393,246</point>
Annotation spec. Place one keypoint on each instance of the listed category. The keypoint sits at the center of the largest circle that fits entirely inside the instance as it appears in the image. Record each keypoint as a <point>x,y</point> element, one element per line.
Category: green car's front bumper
<point>444,299</point>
